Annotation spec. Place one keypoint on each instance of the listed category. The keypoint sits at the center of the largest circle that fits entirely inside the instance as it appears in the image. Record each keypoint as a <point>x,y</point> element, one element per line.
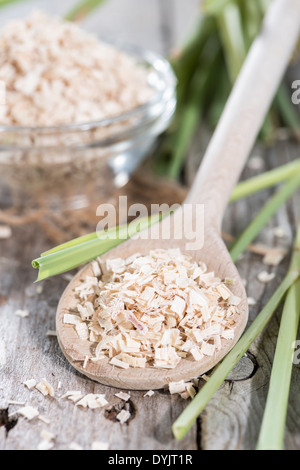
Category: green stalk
<point>214,7</point>
<point>252,19</point>
<point>84,249</point>
<point>186,420</point>
<point>265,180</point>
<point>82,9</point>
<point>232,36</point>
<point>273,426</point>
<point>187,63</point>
<point>7,2</point>
<point>72,243</point>
<point>260,221</point>
<point>191,111</point>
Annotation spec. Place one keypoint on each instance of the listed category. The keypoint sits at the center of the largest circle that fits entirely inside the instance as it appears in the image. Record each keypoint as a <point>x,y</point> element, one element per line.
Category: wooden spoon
<point>219,172</point>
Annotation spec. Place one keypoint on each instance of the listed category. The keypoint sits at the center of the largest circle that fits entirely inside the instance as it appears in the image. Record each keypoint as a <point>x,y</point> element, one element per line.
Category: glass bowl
<point>76,167</point>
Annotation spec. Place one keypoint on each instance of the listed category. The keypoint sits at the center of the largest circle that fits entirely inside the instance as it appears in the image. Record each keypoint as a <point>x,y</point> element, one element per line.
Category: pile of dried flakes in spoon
<point>154,310</point>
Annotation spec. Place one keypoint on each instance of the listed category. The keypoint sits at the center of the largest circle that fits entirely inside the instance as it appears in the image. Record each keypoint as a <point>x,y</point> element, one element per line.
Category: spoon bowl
<point>214,254</point>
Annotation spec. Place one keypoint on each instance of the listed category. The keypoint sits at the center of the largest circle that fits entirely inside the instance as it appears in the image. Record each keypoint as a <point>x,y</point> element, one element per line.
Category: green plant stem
<point>214,7</point>
<point>82,9</point>
<point>191,112</point>
<point>265,180</point>
<point>7,2</point>
<point>84,249</point>
<point>186,64</point>
<point>252,19</point>
<point>260,221</point>
<point>232,37</point>
<point>195,408</point>
<point>273,426</point>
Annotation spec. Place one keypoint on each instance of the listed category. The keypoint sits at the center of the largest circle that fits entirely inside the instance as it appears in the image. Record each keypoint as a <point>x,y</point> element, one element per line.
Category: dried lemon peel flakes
<point>154,310</point>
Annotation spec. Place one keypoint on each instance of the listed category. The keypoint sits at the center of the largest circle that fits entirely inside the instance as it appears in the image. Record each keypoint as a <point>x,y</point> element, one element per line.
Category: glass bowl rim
<point>156,61</point>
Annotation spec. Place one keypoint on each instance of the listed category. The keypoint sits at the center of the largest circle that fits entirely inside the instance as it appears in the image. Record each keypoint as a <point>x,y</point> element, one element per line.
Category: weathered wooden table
<point>233,417</point>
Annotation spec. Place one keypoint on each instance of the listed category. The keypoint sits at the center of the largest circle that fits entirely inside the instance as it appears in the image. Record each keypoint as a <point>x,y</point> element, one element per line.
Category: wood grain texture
<point>232,419</point>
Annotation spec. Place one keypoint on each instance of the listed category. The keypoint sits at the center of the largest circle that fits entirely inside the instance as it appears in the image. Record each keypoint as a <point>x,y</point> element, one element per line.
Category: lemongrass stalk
<point>186,420</point>
<point>220,93</point>
<point>192,111</point>
<point>82,9</point>
<point>264,5</point>
<point>7,2</point>
<point>260,221</point>
<point>186,63</point>
<point>265,180</point>
<point>76,253</point>
<point>252,19</point>
<point>273,426</point>
<point>232,36</point>
<point>72,243</point>
<point>214,7</point>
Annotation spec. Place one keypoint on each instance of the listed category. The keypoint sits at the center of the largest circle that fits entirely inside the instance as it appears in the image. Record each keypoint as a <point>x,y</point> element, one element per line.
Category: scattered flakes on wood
<point>45,388</point>
<point>47,442</point>
<point>22,313</point>
<point>33,290</point>
<point>279,232</point>
<point>44,419</point>
<point>17,403</point>
<point>51,333</point>
<point>93,401</point>
<point>177,387</point>
<point>205,377</point>
<point>45,445</point>
<point>251,302</point>
<point>185,390</point>
<point>123,396</point>
<point>274,257</point>
<point>149,394</point>
<point>265,277</point>
<point>30,384</point>
<point>123,416</point>
<point>5,232</point>
<point>100,446</point>
<point>256,163</point>
<point>154,310</point>
<point>28,412</point>
<point>73,396</point>
<point>75,446</point>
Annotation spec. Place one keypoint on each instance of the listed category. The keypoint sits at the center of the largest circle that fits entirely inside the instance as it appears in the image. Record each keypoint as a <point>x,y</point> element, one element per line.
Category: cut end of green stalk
<point>35,264</point>
<point>178,432</point>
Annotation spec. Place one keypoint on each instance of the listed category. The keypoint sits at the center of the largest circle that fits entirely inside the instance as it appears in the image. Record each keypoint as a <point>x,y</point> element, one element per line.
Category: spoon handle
<point>246,109</point>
